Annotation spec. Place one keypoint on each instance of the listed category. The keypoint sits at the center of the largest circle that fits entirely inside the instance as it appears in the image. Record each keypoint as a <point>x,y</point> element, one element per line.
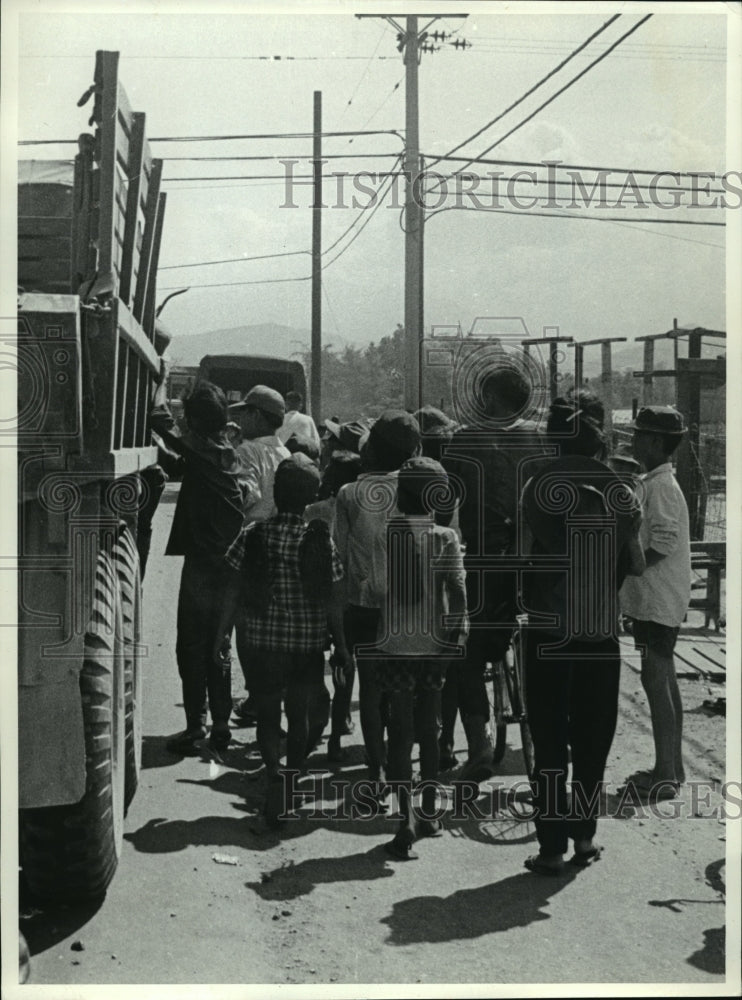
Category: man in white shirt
<point>297,423</point>
<point>658,600</point>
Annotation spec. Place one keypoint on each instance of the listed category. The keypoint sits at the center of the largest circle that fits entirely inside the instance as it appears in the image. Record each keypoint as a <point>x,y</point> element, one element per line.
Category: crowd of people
<point>401,551</point>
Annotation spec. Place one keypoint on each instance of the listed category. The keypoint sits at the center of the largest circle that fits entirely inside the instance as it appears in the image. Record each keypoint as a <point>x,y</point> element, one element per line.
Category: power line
<point>566,86</point>
<point>360,215</point>
<point>277,156</point>
<point>269,281</point>
<point>574,80</point>
<point>229,284</point>
<point>570,215</point>
<point>365,71</point>
<point>574,166</point>
<point>223,138</point>
<point>270,58</point>
<point>301,179</point>
<point>373,212</point>
<point>233,260</point>
<point>392,91</point>
<point>534,87</point>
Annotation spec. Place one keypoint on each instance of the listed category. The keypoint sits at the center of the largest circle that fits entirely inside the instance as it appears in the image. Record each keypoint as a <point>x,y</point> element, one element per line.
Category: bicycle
<point>508,701</point>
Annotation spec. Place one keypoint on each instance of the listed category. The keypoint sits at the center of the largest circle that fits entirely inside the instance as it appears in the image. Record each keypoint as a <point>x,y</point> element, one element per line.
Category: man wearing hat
<point>260,415</point>
<point>658,600</point>
<point>340,437</point>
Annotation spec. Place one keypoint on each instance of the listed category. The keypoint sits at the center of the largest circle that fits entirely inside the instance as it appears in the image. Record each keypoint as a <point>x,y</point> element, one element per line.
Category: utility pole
<point>316,378</point>
<point>413,224</point>
<point>411,41</point>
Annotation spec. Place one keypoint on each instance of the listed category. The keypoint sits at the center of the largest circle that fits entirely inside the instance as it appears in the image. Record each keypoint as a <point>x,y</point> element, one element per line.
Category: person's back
<point>261,451</point>
<point>297,423</point>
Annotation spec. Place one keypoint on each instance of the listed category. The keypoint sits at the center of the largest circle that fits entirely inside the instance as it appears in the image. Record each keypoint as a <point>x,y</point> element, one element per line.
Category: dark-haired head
<point>296,484</point>
<point>205,408</point>
<point>343,467</point>
<point>294,400</point>
<point>299,442</point>
<point>576,425</point>
<point>505,392</point>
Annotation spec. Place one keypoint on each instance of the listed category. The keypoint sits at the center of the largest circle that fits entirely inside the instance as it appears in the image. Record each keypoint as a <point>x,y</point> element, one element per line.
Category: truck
<point>236,374</point>
<point>88,352</point>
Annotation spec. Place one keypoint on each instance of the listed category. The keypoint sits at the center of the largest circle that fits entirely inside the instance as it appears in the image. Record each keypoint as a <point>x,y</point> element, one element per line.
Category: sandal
<point>401,846</point>
<point>536,864</point>
<point>656,791</point>
<point>429,828</point>
<point>583,859</point>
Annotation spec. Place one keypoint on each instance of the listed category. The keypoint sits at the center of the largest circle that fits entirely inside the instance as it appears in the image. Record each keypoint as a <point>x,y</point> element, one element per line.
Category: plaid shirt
<point>294,621</point>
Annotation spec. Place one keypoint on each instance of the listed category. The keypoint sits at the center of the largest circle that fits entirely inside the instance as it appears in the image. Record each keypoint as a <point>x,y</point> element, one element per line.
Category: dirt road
<point>323,903</point>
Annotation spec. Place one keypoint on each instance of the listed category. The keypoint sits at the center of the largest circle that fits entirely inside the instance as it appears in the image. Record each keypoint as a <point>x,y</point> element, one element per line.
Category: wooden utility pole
<point>410,39</point>
<point>316,378</point>
<point>413,310</point>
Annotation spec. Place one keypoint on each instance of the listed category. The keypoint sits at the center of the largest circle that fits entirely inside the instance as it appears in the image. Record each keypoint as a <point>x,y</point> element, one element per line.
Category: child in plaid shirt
<point>288,578</point>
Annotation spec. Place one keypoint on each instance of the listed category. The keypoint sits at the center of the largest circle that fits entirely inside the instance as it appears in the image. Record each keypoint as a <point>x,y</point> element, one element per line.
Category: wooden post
<point>316,379</point>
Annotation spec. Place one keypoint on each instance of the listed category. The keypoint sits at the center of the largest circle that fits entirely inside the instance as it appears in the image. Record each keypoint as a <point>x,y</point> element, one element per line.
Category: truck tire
<point>71,852</point>
<point>126,561</point>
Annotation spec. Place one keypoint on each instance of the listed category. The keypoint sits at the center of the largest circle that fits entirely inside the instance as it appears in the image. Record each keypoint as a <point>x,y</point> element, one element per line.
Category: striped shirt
<point>294,621</point>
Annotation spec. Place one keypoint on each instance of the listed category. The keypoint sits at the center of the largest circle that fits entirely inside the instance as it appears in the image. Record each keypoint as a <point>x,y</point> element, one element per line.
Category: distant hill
<point>267,338</point>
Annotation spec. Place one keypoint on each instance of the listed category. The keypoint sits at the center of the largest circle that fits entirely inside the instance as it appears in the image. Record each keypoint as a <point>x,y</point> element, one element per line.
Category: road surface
<point>323,903</point>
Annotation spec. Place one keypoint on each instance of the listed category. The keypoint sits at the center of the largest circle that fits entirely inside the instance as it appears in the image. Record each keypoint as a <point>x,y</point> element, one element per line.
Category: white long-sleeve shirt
<point>298,423</point>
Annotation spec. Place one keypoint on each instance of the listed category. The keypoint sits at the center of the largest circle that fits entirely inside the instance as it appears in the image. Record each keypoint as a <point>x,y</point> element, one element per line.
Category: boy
<point>658,600</point>
<point>207,517</point>
<point>422,626</point>
<point>361,513</point>
<point>287,576</point>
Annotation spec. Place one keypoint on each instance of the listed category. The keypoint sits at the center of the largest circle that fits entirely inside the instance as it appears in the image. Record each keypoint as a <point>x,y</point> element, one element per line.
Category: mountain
<point>271,339</point>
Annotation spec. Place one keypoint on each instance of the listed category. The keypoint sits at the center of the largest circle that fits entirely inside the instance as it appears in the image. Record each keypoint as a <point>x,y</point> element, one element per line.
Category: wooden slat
<point>149,307</point>
<point>132,206</point>
<point>107,78</point>
<point>44,247</point>
<point>132,333</point>
<point>132,396</point>
<point>150,223</point>
<point>31,226</point>
<point>42,272</point>
<point>119,416</point>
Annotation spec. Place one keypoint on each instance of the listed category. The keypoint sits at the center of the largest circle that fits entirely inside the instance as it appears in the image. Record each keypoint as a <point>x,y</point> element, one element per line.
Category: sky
<point>655,103</point>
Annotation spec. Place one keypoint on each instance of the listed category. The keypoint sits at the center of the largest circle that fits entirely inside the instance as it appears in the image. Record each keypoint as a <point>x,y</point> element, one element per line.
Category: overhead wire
<point>225,138</point>
<point>565,87</point>
<point>535,87</point>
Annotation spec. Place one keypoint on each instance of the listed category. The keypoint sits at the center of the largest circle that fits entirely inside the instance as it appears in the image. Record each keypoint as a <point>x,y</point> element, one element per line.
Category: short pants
<point>660,639</point>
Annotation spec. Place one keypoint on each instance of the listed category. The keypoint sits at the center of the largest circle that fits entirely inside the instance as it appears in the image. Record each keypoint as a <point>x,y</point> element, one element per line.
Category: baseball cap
<point>659,420</point>
<point>396,429</point>
<point>263,398</point>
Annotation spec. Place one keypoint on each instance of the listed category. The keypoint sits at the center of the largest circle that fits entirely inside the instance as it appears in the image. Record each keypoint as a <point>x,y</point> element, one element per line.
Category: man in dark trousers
<point>487,463</point>
<point>208,517</point>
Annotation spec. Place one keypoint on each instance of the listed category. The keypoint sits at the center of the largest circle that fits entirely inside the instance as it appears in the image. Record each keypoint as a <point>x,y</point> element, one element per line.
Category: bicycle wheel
<point>500,704</point>
<point>518,700</point>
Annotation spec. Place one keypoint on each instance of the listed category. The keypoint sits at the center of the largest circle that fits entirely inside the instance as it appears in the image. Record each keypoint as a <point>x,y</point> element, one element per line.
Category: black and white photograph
<point>369,562</point>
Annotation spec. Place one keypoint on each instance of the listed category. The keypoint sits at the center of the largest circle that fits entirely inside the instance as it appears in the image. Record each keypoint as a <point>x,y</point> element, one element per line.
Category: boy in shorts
<point>657,601</point>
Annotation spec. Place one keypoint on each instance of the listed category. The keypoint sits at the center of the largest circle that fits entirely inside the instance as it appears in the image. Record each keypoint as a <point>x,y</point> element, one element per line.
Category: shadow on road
<point>291,881</point>
<point>155,753</point>
<point>516,901</point>
<point>45,924</point>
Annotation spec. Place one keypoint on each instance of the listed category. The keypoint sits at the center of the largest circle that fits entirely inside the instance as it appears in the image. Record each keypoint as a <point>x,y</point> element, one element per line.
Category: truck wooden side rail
<point>88,352</point>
